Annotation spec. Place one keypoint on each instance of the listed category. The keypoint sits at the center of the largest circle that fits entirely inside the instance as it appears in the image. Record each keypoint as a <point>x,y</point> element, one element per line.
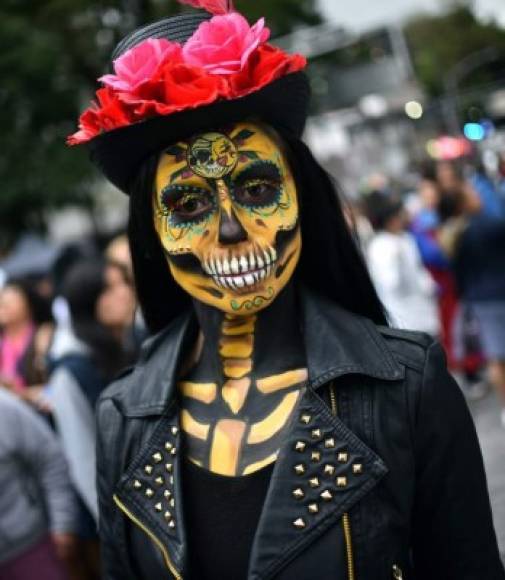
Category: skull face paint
<point>226,213</point>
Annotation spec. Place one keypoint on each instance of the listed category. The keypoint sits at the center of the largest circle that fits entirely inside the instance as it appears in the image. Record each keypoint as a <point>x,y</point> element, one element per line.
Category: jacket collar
<point>337,342</point>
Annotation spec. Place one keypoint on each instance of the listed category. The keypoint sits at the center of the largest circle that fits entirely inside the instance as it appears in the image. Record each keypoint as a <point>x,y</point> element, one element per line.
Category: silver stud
<point>159,480</point>
<point>315,456</point>
<point>174,430</point>
<point>343,457</point>
<point>157,457</point>
<point>137,484</point>
<point>149,492</point>
<point>298,493</point>
<point>158,507</point>
<point>167,515</point>
<point>326,495</point>
<point>341,481</point>
<point>168,446</point>
<point>299,523</point>
<point>171,524</point>
<point>329,443</point>
<point>169,467</point>
<point>167,494</point>
<point>313,508</point>
<point>314,482</point>
<point>148,469</point>
<point>329,469</point>
<point>316,433</point>
<point>171,503</point>
<point>173,451</point>
<point>300,469</point>
<point>305,419</point>
<point>357,468</point>
<point>300,446</point>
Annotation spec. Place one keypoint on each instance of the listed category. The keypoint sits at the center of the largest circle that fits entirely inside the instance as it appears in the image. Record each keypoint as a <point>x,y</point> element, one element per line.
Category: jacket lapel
<point>322,471</point>
<point>151,491</point>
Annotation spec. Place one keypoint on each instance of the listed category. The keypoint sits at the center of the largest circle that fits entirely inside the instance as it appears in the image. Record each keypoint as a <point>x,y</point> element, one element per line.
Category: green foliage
<point>51,53</point>
<point>438,43</point>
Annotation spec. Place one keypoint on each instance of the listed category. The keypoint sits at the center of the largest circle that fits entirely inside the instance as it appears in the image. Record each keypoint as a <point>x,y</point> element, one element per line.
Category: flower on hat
<point>225,59</point>
<point>139,64</point>
<point>223,45</point>
<point>212,6</point>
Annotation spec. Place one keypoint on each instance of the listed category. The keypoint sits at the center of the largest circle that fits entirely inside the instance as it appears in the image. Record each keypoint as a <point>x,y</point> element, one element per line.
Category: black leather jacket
<point>405,497</point>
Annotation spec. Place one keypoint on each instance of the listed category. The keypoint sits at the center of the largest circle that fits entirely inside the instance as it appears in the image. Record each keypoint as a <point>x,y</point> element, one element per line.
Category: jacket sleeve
<point>453,534</point>
<point>38,447</point>
<point>114,566</point>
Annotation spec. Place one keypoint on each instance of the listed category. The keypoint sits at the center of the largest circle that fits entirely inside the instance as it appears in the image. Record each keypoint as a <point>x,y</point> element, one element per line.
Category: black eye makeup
<point>186,205</point>
<point>258,186</point>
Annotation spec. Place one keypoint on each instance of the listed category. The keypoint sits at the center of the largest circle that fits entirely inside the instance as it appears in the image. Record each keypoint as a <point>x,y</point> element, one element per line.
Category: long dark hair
<point>82,287</point>
<point>331,262</point>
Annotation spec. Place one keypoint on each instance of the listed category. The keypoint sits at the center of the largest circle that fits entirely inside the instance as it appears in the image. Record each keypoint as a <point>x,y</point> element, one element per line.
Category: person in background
<point>403,284</point>
<point>492,203</point>
<point>22,310</point>
<point>118,251</point>
<point>479,266</point>
<point>424,226</point>
<point>88,359</point>
<point>37,504</point>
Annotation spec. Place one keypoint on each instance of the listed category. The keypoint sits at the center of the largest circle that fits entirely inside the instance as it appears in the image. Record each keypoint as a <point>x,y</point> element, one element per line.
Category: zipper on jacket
<point>173,570</point>
<point>346,521</point>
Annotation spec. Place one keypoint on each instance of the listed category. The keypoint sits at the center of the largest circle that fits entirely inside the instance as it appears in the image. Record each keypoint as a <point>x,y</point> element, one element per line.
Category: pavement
<point>486,414</point>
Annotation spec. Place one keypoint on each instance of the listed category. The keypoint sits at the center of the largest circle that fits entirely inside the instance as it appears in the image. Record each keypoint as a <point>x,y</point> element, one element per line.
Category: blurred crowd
<point>64,335</point>
<point>436,255</point>
<point>437,258</point>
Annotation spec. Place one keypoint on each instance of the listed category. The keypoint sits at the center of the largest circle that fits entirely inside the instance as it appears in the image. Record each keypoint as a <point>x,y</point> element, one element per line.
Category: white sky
<point>364,14</point>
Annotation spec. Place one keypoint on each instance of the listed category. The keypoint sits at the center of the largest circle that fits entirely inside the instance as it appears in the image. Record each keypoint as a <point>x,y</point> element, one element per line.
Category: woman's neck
<point>266,342</point>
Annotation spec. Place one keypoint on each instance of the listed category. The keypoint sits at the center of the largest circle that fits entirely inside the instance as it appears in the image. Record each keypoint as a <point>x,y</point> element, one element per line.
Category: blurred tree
<point>439,43</point>
<point>51,53</point>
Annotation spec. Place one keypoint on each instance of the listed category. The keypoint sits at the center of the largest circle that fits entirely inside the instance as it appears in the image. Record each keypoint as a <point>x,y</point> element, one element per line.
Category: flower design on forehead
<point>211,155</point>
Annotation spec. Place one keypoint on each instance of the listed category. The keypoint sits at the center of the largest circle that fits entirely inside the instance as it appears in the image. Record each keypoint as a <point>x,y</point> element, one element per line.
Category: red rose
<point>267,64</point>
<point>112,113</point>
<point>88,128</point>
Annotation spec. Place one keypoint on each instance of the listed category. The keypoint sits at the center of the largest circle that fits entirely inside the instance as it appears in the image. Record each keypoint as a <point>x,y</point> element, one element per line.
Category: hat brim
<point>120,153</point>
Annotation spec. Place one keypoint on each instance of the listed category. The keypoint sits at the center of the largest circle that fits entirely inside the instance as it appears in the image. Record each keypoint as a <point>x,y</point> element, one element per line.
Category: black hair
<point>82,287</point>
<point>331,263</point>
<point>38,305</point>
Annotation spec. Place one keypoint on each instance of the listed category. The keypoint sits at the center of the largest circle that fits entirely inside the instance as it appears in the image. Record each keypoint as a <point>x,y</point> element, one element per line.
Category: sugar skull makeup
<point>226,213</point>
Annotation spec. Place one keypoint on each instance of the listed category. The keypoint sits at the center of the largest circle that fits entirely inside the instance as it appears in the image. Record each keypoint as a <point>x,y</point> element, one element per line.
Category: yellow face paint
<point>226,213</point>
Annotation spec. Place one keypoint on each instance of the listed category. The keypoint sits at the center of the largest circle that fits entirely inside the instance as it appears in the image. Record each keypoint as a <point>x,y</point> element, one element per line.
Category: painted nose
<point>230,229</point>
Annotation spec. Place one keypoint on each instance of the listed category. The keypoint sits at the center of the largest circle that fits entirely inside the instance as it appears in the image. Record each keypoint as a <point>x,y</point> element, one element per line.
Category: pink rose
<point>223,45</point>
<point>139,64</point>
<point>212,6</point>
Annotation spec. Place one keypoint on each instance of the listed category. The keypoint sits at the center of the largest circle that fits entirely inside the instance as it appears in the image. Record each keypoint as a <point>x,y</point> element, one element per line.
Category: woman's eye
<point>187,206</point>
<point>257,193</point>
<point>192,205</point>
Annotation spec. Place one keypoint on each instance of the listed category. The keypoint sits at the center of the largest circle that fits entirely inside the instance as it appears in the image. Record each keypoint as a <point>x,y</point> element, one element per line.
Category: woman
<point>22,311</point>
<point>84,362</point>
<point>274,427</point>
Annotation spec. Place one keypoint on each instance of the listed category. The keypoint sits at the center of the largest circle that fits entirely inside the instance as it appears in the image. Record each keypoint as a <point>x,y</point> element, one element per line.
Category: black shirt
<point>221,515</point>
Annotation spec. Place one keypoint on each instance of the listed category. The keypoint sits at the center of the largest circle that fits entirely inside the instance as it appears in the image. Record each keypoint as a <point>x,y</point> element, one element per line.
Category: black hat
<point>120,152</point>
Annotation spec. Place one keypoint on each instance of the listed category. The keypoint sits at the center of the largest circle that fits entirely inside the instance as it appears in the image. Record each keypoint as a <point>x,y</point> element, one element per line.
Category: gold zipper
<point>159,544</point>
<point>346,521</point>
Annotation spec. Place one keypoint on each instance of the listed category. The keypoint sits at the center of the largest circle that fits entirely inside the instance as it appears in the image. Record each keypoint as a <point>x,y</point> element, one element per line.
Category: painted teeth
<point>242,271</point>
<point>234,266</point>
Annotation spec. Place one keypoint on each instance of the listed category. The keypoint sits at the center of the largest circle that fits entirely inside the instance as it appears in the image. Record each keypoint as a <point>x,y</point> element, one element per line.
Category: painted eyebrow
<point>259,170</point>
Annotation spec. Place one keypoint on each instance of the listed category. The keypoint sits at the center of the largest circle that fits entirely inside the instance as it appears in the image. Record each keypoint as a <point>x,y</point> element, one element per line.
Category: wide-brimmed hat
<point>187,74</point>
